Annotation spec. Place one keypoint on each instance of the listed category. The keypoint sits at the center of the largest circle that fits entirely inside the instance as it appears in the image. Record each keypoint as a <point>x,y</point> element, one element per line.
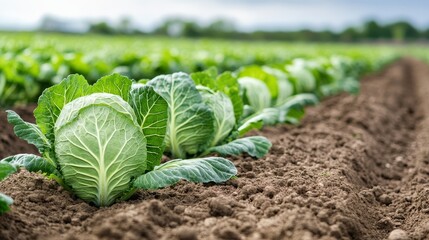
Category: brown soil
<point>356,168</point>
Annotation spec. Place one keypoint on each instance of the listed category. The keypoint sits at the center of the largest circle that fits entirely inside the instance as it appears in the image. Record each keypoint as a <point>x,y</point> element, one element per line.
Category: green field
<point>30,62</point>
<point>182,98</point>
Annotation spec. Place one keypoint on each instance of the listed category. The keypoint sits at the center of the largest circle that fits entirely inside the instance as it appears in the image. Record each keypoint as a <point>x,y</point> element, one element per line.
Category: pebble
<point>209,222</point>
<point>398,234</point>
<point>385,199</point>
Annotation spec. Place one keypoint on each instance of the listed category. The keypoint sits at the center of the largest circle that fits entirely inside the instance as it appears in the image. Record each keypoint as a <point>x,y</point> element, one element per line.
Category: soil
<point>356,168</point>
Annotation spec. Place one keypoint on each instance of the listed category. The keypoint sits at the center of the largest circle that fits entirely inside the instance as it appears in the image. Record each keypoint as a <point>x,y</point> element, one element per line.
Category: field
<point>354,166</point>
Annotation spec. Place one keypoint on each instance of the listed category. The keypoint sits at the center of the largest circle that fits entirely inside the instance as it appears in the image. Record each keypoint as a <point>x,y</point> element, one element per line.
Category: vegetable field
<point>146,138</point>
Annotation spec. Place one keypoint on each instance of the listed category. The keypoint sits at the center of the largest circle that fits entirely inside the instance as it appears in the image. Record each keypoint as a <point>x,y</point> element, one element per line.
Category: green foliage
<point>53,99</point>
<point>211,169</point>
<point>28,132</point>
<point>114,84</point>
<point>259,73</point>
<point>99,152</point>
<point>6,169</point>
<point>5,202</point>
<point>256,94</point>
<point>191,122</point>
<point>97,144</point>
<point>223,110</point>
<point>214,91</point>
<point>255,146</point>
<point>301,77</point>
<point>151,112</point>
<point>30,63</point>
<point>32,163</point>
<point>104,141</point>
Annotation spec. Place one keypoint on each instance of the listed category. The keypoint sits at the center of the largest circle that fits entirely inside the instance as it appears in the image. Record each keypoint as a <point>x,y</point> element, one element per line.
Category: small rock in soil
<point>385,199</point>
<point>220,207</point>
<point>386,224</point>
<point>398,234</point>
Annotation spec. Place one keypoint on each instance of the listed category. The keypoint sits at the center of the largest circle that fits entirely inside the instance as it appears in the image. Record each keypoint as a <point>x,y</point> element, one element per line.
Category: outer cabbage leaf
<point>31,163</point>
<point>255,146</point>
<point>223,113</point>
<point>262,75</point>
<point>290,112</point>
<point>293,115</point>
<point>100,152</point>
<point>28,132</point>
<point>229,85</point>
<point>268,116</point>
<point>191,122</point>
<point>286,90</point>
<point>247,126</point>
<point>247,111</point>
<point>5,202</point>
<point>350,85</point>
<point>285,87</point>
<point>225,83</point>
<point>303,79</point>
<point>204,78</point>
<point>53,99</point>
<point>6,169</point>
<point>299,101</point>
<point>114,84</point>
<point>152,116</point>
<point>256,93</point>
<point>3,94</point>
<point>211,169</point>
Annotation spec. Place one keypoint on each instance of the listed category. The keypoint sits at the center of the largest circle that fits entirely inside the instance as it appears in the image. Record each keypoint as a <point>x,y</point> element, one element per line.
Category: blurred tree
<point>191,29</point>
<point>179,28</point>
<point>221,25</point>
<point>101,28</point>
<point>372,30</point>
<point>349,34</point>
<point>221,28</point>
<point>327,36</point>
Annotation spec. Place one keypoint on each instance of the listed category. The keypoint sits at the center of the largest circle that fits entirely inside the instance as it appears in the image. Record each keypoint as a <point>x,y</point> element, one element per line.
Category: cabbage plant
<point>222,94</point>
<point>301,77</point>
<point>203,115</point>
<point>272,96</point>
<point>105,141</point>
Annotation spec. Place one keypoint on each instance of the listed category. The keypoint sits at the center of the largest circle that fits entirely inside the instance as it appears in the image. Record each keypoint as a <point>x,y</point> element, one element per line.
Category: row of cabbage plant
<point>105,141</point>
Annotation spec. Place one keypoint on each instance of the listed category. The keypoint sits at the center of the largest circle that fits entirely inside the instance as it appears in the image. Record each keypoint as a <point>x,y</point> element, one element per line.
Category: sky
<point>246,14</point>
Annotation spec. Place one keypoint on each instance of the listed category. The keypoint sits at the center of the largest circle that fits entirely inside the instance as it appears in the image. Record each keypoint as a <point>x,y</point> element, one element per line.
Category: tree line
<point>175,27</point>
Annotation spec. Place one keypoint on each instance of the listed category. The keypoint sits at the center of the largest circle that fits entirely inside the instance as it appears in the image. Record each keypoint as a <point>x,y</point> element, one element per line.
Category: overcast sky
<point>246,14</point>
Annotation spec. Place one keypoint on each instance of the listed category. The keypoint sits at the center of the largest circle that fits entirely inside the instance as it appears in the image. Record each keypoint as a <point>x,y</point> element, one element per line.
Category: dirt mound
<point>356,168</point>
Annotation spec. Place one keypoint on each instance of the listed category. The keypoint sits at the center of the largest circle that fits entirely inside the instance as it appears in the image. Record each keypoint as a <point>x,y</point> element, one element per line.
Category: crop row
<point>104,141</point>
<point>26,71</point>
<point>28,66</point>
